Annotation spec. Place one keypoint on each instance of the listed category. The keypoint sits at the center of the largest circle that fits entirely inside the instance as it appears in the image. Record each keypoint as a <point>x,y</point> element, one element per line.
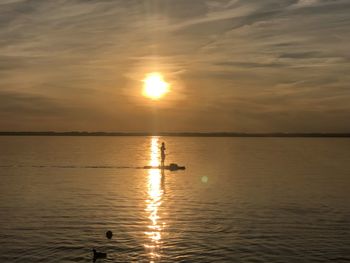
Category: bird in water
<point>98,255</point>
<point>109,234</point>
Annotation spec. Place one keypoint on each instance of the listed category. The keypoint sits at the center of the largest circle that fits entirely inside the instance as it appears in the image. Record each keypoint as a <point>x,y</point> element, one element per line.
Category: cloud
<point>269,58</point>
<point>303,3</point>
<point>12,103</point>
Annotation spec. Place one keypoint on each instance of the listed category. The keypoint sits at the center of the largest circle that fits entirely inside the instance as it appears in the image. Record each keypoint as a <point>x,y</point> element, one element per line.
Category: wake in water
<point>72,166</point>
<point>171,167</point>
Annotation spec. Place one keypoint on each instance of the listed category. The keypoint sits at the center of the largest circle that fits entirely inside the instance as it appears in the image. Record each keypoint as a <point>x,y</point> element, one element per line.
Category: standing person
<point>162,154</point>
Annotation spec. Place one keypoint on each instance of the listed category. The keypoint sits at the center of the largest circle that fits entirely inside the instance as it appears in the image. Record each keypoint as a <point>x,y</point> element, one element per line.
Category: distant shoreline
<point>181,134</point>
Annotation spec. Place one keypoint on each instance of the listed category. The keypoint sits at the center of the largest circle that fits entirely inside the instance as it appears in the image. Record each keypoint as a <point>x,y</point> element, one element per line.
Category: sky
<point>232,65</point>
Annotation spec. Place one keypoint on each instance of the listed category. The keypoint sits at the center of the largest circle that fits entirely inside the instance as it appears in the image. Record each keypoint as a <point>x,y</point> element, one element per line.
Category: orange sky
<point>233,65</point>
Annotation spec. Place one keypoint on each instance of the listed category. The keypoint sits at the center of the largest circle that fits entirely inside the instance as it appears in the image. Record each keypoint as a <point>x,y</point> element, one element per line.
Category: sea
<point>238,200</point>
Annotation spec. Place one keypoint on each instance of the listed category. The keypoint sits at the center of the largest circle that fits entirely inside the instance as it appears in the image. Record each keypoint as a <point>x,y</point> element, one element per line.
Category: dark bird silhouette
<point>98,255</point>
<point>109,234</point>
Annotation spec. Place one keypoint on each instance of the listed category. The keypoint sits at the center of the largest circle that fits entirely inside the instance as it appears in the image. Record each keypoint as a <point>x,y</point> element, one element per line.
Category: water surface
<point>239,200</point>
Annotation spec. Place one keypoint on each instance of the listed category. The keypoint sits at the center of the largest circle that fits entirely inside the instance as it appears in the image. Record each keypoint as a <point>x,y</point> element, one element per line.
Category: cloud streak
<point>234,65</point>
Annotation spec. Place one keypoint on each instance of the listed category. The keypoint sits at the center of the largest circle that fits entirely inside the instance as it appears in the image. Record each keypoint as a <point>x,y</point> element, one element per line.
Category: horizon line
<point>177,134</point>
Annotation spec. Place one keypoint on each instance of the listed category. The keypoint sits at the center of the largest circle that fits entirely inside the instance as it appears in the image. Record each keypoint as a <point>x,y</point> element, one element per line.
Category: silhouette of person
<point>162,154</point>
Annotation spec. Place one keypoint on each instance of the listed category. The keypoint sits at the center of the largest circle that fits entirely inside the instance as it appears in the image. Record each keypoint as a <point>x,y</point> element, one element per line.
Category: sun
<point>155,86</point>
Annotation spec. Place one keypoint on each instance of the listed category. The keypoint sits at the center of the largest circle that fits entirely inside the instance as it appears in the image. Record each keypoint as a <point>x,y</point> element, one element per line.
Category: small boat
<point>170,167</point>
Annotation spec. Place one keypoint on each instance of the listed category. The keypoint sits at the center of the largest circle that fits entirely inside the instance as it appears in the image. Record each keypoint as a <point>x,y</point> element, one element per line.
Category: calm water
<point>239,200</point>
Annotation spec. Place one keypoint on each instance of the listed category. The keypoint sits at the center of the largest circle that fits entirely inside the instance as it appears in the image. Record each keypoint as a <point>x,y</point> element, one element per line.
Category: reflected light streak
<point>155,193</point>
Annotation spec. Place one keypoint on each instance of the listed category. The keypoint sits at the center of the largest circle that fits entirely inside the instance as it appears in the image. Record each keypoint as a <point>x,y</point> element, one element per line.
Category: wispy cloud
<point>259,65</point>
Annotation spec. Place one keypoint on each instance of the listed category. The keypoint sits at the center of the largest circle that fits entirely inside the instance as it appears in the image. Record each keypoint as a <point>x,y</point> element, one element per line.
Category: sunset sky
<point>231,65</point>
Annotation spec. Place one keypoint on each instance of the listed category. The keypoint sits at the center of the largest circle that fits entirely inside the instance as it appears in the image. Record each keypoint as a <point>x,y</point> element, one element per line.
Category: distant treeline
<point>179,134</point>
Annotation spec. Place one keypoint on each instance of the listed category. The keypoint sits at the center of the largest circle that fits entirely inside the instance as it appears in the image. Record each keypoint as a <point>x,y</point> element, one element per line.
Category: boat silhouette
<point>170,167</point>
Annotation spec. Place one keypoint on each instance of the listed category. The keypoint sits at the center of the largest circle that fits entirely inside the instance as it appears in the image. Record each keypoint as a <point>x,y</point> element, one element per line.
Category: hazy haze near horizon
<point>274,65</point>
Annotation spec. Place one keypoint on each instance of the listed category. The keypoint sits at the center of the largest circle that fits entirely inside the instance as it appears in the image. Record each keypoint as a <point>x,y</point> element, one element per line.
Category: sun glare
<point>155,86</point>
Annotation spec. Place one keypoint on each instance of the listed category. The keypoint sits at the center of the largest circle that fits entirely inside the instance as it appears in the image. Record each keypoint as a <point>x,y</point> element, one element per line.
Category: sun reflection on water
<point>155,194</point>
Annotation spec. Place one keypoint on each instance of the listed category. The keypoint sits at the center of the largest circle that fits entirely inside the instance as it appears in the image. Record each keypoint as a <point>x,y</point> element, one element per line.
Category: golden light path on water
<point>155,194</point>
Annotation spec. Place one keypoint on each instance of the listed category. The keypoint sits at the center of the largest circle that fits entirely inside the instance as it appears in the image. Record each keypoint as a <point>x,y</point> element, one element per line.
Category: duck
<point>109,234</point>
<point>98,255</point>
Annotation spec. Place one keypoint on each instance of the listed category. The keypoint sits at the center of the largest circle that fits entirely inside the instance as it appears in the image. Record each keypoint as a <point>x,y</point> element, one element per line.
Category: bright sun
<point>154,86</point>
